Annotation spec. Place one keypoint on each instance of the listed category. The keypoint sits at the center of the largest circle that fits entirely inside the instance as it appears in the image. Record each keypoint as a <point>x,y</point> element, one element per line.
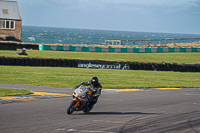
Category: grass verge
<point>13,92</point>
<point>187,58</point>
<point>109,78</point>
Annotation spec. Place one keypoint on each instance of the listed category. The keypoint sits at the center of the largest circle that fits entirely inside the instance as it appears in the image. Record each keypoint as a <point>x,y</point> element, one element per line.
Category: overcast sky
<point>168,16</point>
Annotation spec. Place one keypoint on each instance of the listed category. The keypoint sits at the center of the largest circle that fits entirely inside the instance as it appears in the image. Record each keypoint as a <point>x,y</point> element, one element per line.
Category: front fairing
<point>81,91</point>
<point>80,94</point>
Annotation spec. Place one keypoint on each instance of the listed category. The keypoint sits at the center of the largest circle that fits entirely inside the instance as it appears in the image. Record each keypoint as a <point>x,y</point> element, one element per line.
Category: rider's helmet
<point>94,80</point>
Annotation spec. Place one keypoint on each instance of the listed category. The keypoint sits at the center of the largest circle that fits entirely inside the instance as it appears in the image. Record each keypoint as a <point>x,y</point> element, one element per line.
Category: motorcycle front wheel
<point>70,109</point>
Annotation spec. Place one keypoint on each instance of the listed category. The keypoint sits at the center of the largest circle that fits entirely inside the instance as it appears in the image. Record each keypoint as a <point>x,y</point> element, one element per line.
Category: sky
<point>163,16</point>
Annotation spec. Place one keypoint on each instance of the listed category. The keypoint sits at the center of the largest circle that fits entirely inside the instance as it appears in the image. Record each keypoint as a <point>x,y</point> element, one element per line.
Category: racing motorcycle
<point>81,100</point>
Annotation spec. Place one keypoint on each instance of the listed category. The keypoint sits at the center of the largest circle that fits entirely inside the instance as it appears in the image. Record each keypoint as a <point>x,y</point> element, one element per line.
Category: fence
<point>153,41</point>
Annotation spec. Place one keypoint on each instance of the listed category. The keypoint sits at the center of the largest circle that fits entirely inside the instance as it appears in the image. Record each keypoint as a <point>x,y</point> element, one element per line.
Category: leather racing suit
<point>96,91</point>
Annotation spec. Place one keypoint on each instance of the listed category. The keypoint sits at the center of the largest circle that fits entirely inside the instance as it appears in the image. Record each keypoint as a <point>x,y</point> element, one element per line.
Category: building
<point>10,21</point>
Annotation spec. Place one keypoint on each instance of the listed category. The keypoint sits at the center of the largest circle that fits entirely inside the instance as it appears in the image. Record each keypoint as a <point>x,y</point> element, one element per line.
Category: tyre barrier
<point>8,46</point>
<point>25,61</point>
<point>15,46</point>
<point>27,46</point>
<point>12,61</point>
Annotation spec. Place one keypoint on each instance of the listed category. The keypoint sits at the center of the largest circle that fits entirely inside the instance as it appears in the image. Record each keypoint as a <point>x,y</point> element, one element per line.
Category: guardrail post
<point>120,42</point>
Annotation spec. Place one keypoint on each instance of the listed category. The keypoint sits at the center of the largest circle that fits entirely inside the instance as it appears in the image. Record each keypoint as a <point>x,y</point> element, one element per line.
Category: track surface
<point>149,111</point>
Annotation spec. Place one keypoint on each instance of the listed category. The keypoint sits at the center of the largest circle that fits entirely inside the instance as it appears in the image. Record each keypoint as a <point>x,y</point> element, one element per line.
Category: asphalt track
<point>138,111</point>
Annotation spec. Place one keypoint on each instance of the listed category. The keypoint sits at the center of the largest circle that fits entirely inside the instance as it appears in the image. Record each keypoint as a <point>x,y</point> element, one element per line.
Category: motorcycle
<point>81,100</point>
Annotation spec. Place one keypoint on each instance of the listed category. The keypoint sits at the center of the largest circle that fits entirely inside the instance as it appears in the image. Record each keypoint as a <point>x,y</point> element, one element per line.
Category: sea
<point>52,35</point>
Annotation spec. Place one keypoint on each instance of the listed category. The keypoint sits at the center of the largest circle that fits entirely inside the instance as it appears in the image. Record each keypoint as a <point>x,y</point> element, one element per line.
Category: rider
<point>22,52</point>
<point>95,87</point>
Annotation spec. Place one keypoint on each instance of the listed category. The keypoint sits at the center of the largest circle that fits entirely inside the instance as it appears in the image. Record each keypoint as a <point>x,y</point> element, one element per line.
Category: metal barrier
<point>152,41</point>
<point>119,50</point>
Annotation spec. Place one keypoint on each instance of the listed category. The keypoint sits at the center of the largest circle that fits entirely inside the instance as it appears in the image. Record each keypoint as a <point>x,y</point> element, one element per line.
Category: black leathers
<point>95,88</point>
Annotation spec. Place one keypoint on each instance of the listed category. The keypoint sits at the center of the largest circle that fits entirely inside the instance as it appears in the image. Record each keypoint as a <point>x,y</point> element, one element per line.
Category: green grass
<point>70,77</point>
<point>109,78</point>
<point>189,58</point>
<point>13,92</point>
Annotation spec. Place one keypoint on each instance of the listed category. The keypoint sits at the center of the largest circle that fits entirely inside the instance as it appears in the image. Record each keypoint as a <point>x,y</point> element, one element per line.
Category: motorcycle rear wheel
<point>71,109</point>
